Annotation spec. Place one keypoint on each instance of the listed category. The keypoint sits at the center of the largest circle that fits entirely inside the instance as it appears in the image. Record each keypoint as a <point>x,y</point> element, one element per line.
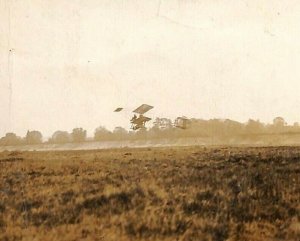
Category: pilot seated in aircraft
<point>133,118</point>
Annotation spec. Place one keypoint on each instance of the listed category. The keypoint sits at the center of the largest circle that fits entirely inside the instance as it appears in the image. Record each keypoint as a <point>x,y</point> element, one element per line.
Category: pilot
<point>134,118</point>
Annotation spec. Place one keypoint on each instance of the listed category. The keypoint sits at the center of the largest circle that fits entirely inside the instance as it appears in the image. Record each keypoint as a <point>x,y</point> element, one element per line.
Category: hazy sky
<point>73,62</point>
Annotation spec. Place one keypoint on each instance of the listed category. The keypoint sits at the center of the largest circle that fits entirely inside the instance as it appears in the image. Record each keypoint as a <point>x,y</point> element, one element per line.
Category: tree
<point>78,135</point>
<point>279,122</point>
<point>101,134</point>
<point>162,127</point>
<point>120,132</point>
<point>215,127</point>
<point>278,125</point>
<point>60,137</point>
<point>10,139</point>
<point>162,123</point>
<point>140,134</point>
<point>254,127</point>
<point>34,137</point>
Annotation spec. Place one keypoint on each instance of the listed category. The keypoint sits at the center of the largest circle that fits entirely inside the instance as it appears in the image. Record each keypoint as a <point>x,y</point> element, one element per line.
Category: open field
<point>171,193</point>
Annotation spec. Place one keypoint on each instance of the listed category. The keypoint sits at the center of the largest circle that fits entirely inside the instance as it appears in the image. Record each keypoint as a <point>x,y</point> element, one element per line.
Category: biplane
<point>138,122</point>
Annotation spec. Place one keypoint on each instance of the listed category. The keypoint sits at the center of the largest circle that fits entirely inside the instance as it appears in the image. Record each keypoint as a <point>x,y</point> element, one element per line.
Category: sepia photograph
<point>149,120</point>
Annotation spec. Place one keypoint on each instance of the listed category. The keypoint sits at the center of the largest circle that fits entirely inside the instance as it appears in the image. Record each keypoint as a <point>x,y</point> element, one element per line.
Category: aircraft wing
<point>143,109</point>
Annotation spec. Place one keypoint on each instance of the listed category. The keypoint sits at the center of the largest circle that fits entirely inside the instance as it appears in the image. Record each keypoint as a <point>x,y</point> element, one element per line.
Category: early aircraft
<point>138,122</point>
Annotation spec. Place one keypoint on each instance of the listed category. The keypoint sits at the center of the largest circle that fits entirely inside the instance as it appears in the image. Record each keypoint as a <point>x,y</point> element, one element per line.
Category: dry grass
<point>190,193</point>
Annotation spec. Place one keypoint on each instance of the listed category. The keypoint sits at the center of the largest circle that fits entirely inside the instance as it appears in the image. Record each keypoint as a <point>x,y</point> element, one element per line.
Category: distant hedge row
<point>161,128</point>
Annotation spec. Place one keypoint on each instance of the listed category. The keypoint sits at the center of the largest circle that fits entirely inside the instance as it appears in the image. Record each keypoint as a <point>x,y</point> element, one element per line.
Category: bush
<point>60,137</point>
<point>10,139</point>
<point>78,135</point>
<point>33,137</point>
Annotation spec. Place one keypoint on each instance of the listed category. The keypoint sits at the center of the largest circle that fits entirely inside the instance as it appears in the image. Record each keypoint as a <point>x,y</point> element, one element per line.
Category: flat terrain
<point>179,193</point>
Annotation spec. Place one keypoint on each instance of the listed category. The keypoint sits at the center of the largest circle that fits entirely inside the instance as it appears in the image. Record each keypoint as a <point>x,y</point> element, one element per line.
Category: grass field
<point>182,193</point>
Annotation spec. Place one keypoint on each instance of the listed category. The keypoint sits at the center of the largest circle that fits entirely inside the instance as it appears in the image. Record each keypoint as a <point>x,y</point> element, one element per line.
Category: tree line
<point>161,128</point>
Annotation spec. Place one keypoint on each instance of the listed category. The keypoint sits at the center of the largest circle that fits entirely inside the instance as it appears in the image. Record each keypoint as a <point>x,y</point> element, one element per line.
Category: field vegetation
<point>182,193</point>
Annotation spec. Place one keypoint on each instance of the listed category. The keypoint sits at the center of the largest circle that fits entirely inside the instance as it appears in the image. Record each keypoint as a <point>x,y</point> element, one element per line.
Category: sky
<point>67,64</point>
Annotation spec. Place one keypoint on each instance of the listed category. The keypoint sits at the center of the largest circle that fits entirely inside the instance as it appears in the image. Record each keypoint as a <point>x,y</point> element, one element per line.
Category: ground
<point>179,193</point>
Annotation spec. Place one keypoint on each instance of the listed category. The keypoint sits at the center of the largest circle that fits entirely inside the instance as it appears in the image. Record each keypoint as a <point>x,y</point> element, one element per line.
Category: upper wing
<point>143,109</point>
